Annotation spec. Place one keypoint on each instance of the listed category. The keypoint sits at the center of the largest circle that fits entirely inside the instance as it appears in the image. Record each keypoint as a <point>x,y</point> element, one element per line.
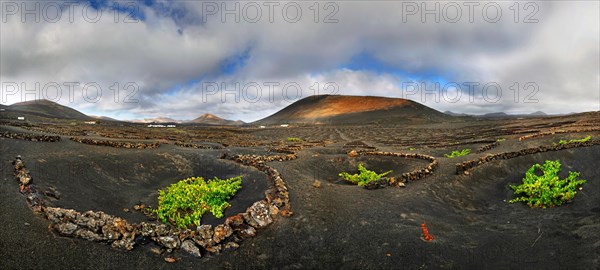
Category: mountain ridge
<point>211,119</point>
<point>46,108</point>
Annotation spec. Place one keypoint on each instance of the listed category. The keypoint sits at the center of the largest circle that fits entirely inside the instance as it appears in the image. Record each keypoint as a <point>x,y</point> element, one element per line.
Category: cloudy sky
<point>246,60</point>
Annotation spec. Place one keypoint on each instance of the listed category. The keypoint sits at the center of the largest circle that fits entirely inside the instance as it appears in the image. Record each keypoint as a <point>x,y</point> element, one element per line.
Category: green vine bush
<point>546,190</point>
<point>185,202</point>
<point>364,176</point>
<point>456,153</point>
<point>563,142</point>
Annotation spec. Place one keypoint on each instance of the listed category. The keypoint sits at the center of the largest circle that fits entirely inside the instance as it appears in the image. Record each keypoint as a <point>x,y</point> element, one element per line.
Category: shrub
<point>456,153</point>
<point>411,148</point>
<point>185,202</point>
<point>546,190</point>
<point>292,139</point>
<point>562,142</point>
<point>501,140</point>
<point>363,177</point>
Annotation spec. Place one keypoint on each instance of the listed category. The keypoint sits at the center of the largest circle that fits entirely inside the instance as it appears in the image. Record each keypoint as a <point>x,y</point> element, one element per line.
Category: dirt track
<point>334,226</point>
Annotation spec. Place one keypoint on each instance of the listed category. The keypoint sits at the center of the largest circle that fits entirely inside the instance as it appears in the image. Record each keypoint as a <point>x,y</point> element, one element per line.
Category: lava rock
<point>125,244</point>
<point>67,228</point>
<point>221,232</point>
<point>169,242</point>
<point>246,231</point>
<point>110,232</point>
<point>231,245</point>
<point>191,248</point>
<point>258,215</point>
<point>88,235</point>
<point>286,212</point>
<point>216,249</point>
<point>205,231</point>
<point>147,229</point>
<point>379,183</point>
<point>234,221</point>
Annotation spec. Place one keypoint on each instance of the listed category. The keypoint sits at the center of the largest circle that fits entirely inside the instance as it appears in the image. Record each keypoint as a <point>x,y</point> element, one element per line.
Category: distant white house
<point>262,127</point>
<point>20,118</point>
<point>90,122</point>
<point>284,125</point>
<point>161,126</point>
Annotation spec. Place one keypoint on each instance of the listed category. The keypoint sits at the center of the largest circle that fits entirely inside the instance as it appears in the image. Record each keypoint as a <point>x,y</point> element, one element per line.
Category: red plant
<point>426,235</point>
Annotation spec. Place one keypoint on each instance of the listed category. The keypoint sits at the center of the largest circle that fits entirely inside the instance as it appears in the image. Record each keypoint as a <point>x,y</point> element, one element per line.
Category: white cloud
<point>163,54</point>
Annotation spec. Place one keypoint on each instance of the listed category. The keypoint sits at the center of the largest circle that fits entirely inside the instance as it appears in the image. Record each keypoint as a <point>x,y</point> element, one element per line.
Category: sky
<point>246,60</point>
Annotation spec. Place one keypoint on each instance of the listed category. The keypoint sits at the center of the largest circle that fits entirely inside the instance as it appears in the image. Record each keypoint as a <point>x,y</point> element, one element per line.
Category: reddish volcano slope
<point>338,109</point>
<point>209,119</point>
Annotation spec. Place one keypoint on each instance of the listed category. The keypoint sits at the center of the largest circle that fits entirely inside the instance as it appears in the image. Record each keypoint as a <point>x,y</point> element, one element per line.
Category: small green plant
<point>501,140</point>
<point>411,148</point>
<point>563,142</point>
<point>546,190</point>
<point>185,202</point>
<point>292,139</point>
<point>456,153</point>
<point>363,177</point>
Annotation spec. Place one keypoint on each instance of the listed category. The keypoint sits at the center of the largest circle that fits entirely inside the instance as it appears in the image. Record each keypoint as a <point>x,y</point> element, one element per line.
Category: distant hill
<point>45,108</point>
<point>104,118</point>
<point>209,119</point>
<point>494,115</point>
<point>340,109</point>
<point>505,115</point>
<point>455,114</point>
<point>538,113</point>
<point>156,120</point>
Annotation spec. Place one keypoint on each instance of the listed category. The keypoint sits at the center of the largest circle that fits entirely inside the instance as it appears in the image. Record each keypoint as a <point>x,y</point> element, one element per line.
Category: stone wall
<point>197,146</point>
<point>470,164</point>
<point>414,174</point>
<point>545,133</point>
<point>30,137</point>
<point>115,144</point>
<point>488,147</point>
<point>120,234</point>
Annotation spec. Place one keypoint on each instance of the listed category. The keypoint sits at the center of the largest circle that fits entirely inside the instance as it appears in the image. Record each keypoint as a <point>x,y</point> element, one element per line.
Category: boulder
<point>169,242</point>
<point>190,247</point>
<point>221,232</point>
<point>234,221</point>
<point>205,231</point>
<point>246,231</point>
<point>258,215</point>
